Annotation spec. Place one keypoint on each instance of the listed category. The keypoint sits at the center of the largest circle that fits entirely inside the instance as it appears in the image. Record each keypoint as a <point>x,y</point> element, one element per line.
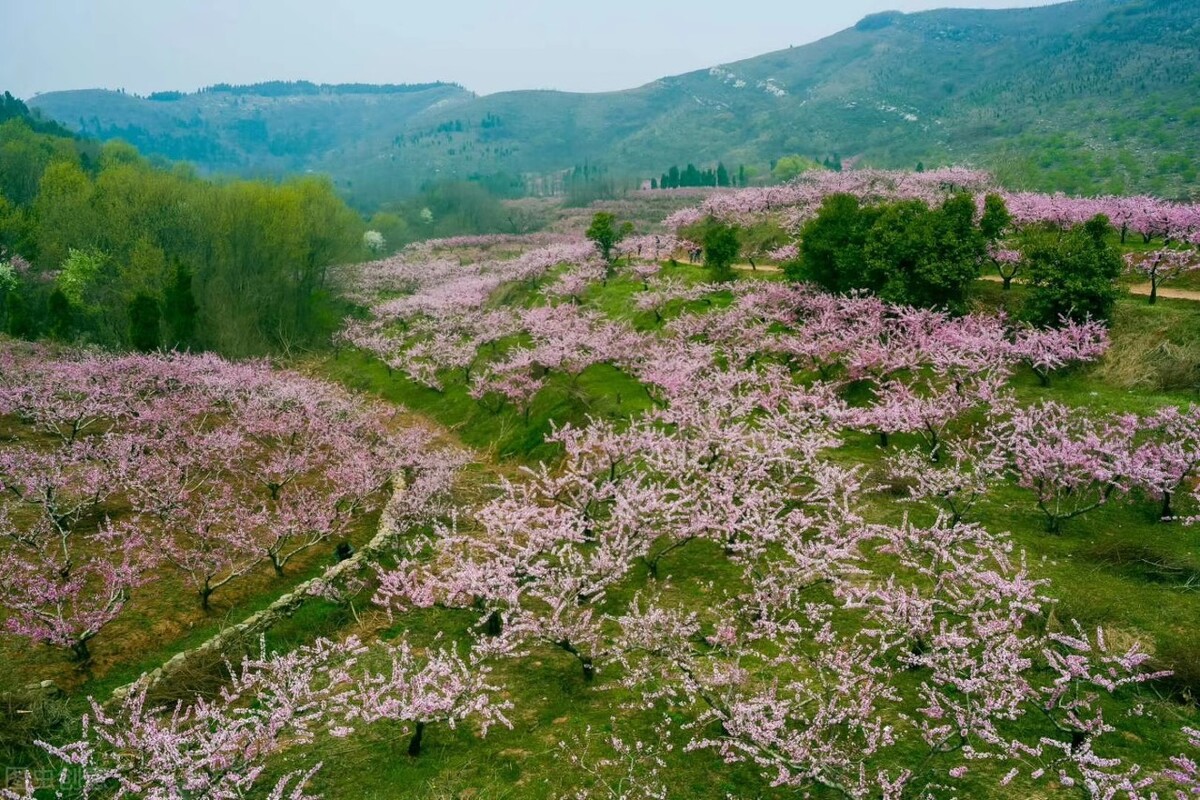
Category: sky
<point>152,45</point>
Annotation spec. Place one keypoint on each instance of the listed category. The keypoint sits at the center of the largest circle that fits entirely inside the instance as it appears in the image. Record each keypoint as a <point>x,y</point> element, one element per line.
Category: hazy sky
<point>149,45</point>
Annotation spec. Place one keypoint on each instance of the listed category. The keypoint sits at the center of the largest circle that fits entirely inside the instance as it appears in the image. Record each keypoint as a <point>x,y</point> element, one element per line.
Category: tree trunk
<point>589,669</point>
<point>495,624</point>
<point>1153,292</point>
<point>414,744</point>
<point>80,651</point>
<point>1167,511</point>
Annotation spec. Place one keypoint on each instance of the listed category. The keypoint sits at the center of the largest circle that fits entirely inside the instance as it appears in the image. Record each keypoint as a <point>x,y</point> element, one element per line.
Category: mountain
<point>1091,95</point>
<point>260,129</point>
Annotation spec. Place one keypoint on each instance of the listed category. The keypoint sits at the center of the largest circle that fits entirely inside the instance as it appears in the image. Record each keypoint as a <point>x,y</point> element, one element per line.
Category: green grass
<point>600,391</point>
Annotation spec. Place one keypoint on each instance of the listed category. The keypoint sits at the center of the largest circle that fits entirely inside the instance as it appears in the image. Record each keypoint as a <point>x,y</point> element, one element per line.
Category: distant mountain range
<point>1085,96</point>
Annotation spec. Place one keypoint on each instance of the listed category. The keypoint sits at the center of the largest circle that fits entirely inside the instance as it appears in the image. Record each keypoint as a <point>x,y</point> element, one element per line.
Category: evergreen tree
<point>145,319</point>
<point>722,175</point>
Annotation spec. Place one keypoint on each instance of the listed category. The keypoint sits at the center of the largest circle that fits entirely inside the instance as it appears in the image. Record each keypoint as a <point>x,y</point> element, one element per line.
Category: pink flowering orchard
<point>751,535</point>
<point>148,465</point>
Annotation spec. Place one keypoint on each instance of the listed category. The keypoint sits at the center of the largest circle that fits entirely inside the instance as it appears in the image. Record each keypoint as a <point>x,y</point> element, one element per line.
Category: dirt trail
<point>1142,289</point>
<point>1175,294</point>
<point>740,267</point>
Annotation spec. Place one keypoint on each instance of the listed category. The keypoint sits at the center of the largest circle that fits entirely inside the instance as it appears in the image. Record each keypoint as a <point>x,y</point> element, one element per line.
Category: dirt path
<point>1175,294</point>
<point>739,267</point>
<point>1142,289</point>
<point>759,268</point>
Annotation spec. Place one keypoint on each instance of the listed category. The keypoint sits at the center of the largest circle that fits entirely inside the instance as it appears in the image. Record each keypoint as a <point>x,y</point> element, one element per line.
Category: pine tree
<point>145,319</point>
<point>722,175</point>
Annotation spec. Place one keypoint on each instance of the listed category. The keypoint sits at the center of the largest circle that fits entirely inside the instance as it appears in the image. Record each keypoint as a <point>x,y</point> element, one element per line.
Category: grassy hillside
<point>1086,96</point>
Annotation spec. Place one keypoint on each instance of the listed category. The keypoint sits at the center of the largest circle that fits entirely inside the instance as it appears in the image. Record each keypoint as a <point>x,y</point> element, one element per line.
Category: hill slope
<point>262,129</point>
<point>1092,95</point>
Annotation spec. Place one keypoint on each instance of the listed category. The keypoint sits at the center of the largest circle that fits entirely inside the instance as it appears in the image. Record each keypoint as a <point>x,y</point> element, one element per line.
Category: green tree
<point>1072,274</point>
<point>790,167</point>
<point>64,214</point>
<point>721,247</point>
<point>180,308</point>
<point>897,244</point>
<point>145,270</point>
<point>145,320</point>
<point>996,218</point>
<point>60,316</point>
<point>905,252</point>
<point>943,279</point>
<point>607,234</point>
<point>81,271</point>
<point>722,175</point>
<point>925,257</point>
<point>393,227</point>
<point>24,156</point>
<point>831,245</point>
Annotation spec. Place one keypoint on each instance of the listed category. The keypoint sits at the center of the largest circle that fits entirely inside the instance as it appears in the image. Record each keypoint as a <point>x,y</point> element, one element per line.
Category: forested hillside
<point>1087,96</point>
<point>99,245</point>
<point>264,129</point>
